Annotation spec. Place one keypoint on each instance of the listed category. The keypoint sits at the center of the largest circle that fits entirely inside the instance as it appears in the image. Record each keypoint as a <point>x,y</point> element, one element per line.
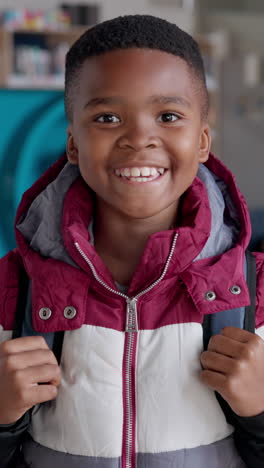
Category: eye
<point>168,117</point>
<point>107,118</point>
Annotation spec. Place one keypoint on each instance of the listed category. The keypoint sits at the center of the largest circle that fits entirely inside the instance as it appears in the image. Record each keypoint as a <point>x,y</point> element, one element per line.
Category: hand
<point>25,362</point>
<point>234,367</point>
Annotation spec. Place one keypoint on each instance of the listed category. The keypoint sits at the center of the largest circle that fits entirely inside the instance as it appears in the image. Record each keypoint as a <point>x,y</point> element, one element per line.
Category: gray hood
<point>42,223</point>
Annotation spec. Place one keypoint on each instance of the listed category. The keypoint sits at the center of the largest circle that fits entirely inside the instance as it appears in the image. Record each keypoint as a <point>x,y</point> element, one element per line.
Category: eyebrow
<point>170,100</point>
<point>155,99</point>
<point>103,101</point>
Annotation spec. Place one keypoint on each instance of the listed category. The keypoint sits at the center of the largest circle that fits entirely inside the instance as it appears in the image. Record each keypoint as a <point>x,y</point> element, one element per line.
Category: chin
<point>140,213</point>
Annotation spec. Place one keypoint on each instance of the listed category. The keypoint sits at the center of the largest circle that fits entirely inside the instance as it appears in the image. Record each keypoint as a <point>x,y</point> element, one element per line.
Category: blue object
<point>32,137</point>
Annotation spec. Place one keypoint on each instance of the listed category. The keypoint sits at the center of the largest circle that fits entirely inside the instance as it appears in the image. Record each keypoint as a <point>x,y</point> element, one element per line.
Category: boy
<point>128,246</point>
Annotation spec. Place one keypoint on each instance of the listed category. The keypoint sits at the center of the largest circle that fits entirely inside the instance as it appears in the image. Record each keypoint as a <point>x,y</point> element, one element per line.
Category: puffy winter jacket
<point>130,394</point>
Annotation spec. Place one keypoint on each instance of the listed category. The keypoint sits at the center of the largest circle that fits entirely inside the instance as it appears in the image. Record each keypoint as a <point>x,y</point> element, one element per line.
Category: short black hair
<point>124,32</point>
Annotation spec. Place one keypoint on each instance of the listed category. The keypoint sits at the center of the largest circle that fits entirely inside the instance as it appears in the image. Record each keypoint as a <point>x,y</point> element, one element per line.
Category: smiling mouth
<point>139,174</point>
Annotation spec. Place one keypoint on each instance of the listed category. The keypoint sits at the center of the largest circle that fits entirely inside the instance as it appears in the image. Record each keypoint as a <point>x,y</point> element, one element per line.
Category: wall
<point>112,8</point>
<point>234,5</point>
<point>246,29</point>
<point>243,143</point>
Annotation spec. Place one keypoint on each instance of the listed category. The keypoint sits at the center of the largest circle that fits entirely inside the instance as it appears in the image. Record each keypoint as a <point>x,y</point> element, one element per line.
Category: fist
<point>24,364</point>
<point>233,365</point>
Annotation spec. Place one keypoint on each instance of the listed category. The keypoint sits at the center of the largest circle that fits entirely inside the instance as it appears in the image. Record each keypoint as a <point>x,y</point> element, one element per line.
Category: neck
<point>120,240</point>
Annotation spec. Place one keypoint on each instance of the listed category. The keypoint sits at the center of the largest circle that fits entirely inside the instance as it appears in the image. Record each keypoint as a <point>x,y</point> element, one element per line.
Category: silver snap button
<point>210,295</point>
<point>45,313</point>
<point>235,289</point>
<point>69,312</point>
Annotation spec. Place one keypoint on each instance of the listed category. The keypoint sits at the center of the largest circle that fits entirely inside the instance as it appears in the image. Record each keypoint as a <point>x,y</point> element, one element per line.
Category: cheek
<point>185,143</point>
<point>94,148</point>
<point>185,161</point>
<point>190,145</point>
<point>93,161</point>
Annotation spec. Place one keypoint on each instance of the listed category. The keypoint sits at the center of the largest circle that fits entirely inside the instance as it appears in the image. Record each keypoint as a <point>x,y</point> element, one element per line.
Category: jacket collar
<point>193,234</point>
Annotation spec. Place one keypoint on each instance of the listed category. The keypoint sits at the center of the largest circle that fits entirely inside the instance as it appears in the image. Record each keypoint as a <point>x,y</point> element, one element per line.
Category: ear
<point>205,143</point>
<point>71,149</point>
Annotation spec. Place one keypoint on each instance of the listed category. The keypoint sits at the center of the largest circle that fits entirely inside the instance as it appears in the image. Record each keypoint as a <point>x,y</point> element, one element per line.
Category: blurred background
<point>34,37</point>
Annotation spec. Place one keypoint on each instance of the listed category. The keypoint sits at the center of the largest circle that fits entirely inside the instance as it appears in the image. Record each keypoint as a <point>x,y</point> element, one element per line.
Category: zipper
<point>129,461</point>
<point>130,345</point>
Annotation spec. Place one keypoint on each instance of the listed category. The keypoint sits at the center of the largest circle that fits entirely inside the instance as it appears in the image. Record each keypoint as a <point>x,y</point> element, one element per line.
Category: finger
<point>217,362</point>
<point>26,359</point>
<point>237,334</point>
<point>39,394</point>
<point>26,343</point>
<point>215,380</point>
<point>39,374</point>
<point>227,346</point>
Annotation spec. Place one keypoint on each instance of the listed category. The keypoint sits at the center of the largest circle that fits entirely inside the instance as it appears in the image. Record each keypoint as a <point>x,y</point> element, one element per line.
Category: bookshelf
<point>34,59</point>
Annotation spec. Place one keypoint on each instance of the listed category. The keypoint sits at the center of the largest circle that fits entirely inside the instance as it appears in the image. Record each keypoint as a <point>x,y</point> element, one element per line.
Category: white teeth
<point>135,172</point>
<point>153,171</point>
<point>139,172</point>
<point>138,179</point>
<point>145,171</point>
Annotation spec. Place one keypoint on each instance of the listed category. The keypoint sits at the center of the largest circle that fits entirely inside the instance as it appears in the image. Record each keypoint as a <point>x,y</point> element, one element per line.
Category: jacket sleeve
<point>248,435</point>
<point>11,439</point>
<point>249,432</point>
<point>249,440</point>
<point>11,435</point>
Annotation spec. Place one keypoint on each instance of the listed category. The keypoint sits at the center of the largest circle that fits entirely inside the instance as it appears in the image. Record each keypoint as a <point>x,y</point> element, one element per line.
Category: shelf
<point>48,40</point>
<point>35,82</point>
<point>72,30</point>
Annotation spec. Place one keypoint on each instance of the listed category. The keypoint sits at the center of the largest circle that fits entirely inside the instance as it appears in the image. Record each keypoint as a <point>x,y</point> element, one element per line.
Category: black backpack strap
<point>21,304</point>
<point>207,330</point>
<point>243,317</point>
<point>249,322</point>
<point>57,344</point>
<point>23,318</point>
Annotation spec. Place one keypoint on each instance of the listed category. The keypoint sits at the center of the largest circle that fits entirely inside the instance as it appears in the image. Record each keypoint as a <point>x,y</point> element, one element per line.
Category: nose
<point>137,138</point>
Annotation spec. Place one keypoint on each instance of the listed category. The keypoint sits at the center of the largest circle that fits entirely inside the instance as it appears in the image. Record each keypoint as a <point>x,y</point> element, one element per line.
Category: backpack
<point>243,317</point>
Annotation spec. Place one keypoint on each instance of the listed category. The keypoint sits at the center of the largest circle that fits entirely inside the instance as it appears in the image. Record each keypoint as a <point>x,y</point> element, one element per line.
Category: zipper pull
<point>131,318</point>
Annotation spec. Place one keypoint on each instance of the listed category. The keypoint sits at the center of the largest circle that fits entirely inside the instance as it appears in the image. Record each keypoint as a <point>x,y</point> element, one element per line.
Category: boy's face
<point>135,109</point>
